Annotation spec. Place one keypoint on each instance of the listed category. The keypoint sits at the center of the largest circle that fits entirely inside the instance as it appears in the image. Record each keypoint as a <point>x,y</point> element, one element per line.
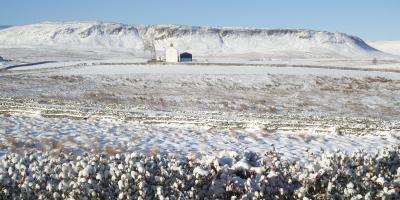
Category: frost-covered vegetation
<point>334,175</point>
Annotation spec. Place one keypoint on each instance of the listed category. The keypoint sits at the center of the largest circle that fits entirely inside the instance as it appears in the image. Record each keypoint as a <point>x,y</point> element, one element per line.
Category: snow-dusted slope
<point>72,35</point>
<point>199,40</point>
<point>4,27</point>
<point>392,47</point>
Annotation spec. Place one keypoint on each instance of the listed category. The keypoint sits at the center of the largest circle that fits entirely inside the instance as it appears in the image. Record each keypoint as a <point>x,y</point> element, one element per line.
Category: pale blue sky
<point>369,19</point>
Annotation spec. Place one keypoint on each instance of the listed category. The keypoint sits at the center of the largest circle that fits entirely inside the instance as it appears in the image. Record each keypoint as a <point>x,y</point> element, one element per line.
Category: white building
<point>171,54</point>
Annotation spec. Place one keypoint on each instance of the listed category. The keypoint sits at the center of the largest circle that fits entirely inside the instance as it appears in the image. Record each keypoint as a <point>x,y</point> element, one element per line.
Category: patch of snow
<point>200,172</point>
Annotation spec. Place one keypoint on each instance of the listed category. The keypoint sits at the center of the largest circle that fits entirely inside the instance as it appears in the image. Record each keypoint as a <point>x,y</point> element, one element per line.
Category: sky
<point>368,19</point>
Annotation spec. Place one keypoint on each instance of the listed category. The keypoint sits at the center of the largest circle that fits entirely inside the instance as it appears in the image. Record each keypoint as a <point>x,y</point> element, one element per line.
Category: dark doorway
<point>185,57</point>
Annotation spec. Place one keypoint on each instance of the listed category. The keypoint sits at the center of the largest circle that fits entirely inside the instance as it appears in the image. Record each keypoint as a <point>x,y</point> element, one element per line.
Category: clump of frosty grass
<point>334,175</point>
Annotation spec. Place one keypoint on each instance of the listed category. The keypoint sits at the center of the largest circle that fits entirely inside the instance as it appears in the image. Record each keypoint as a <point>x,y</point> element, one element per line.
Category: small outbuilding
<point>185,57</point>
<point>171,54</point>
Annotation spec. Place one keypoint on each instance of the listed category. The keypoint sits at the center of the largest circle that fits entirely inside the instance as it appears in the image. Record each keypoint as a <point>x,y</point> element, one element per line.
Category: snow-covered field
<point>26,132</point>
<point>245,94</point>
<point>191,109</point>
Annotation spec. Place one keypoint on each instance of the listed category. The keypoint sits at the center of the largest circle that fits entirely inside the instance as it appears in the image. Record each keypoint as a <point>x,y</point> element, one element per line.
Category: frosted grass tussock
<point>334,175</point>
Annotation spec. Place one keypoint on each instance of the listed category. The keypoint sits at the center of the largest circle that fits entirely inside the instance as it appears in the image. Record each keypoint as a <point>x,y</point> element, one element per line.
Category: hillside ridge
<point>199,40</point>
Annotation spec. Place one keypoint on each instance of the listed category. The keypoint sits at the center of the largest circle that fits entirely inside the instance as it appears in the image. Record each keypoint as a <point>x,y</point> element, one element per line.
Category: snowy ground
<point>24,132</point>
<point>212,128</point>
<point>198,109</point>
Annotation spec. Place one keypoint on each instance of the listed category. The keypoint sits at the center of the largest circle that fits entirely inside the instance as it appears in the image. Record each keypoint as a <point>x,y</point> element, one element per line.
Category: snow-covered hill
<point>392,47</point>
<point>201,41</point>
<point>4,27</point>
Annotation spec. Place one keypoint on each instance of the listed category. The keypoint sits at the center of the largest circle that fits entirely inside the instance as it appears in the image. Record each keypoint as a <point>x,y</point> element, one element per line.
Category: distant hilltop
<point>4,27</point>
<point>201,41</point>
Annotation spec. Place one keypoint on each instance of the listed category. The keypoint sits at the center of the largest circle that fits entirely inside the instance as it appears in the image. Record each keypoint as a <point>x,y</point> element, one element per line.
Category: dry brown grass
<point>302,136</point>
<point>154,151</point>
<point>101,96</point>
<point>30,143</point>
<point>243,107</point>
<point>5,114</point>
<point>3,145</point>
<point>95,145</point>
<point>134,140</point>
<point>234,134</point>
<point>55,147</point>
<point>12,143</point>
<point>270,129</point>
<point>50,143</point>
<point>112,151</point>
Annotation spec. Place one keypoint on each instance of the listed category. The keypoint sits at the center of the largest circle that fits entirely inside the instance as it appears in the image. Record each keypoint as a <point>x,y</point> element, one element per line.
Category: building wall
<point>171,55</point>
